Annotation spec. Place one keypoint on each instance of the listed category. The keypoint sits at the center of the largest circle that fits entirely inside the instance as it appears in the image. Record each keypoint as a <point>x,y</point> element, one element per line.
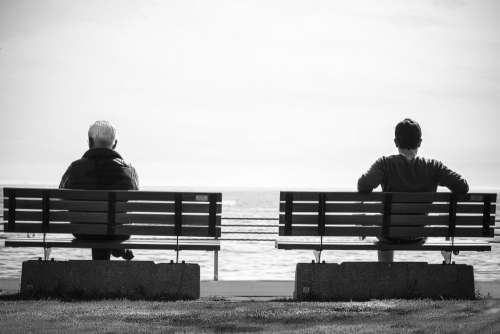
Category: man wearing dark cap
<point>102,168</point>
<point>405,172</point>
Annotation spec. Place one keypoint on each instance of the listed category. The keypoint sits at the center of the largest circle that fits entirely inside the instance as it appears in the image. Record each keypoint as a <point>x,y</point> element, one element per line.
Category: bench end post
<point>12,209</point>
<point>288,213</point>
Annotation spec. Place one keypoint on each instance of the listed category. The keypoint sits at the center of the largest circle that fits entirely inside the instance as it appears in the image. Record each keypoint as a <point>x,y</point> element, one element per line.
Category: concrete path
<point>244,290</point>
<point>254,290</point>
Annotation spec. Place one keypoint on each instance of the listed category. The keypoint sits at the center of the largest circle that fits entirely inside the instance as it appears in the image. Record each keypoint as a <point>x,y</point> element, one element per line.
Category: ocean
<point>257,259</point>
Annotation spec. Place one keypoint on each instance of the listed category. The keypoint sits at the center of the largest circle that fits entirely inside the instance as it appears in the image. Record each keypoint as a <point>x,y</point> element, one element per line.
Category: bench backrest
<point>386,214</point>
<point>107,212</point>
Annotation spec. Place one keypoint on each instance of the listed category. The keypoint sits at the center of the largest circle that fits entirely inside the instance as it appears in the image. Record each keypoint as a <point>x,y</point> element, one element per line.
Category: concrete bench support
<point>373,280</point>
<point>110,279</point>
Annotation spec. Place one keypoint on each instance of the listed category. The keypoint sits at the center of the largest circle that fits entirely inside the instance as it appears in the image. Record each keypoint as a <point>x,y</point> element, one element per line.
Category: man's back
<point>100,168</point>
<point>406,172</point>
<point>396,173</point>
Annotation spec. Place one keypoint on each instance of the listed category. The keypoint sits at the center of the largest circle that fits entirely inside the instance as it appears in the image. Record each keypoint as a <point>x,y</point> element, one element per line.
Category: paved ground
<point>255,290</point>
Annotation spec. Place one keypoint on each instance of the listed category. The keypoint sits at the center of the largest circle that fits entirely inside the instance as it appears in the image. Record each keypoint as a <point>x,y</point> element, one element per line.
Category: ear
<point>419,142</point>
<point>91,142</point>
<point>396,142</point>
<point>114,145</point>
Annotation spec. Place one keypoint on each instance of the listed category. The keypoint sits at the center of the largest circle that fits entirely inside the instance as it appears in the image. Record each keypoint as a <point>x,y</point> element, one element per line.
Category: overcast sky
<point>249,93</point>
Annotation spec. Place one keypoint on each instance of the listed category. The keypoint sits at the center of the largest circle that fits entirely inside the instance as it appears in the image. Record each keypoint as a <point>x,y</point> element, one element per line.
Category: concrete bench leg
<point>110,279</point>
<point>374,280</point>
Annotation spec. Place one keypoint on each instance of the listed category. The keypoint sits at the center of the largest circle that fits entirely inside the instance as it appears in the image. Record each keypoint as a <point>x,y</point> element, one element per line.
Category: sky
<point>276,94</point>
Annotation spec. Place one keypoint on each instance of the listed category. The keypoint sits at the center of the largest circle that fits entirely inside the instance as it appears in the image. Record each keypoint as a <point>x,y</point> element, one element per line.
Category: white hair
<point>102,133</point>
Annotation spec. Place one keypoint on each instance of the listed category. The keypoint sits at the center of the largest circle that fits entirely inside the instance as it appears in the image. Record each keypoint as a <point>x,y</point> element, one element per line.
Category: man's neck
<point>409,154</point>
<point>101,147</point>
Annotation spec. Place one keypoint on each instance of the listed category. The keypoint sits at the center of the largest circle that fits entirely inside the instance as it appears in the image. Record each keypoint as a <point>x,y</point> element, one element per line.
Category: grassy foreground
<point>123,316</point>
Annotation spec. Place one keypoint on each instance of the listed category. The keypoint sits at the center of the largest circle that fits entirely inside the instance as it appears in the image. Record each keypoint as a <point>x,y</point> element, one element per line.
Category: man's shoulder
<point>85,162</point>
<point>394,158</point>
<point>391,157</point>
<point>431,162</point>
<point>387,159</point>
<point>122,163</point>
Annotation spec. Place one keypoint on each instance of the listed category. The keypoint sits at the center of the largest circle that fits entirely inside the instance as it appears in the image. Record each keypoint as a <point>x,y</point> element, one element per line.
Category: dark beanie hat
<point>408,134</point>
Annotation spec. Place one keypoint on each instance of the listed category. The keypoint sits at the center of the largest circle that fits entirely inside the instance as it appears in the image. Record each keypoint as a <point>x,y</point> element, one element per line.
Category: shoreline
<point>262,290</point>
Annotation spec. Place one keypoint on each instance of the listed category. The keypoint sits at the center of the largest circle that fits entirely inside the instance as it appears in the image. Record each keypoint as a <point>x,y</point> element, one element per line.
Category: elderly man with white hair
<point>101,167</point>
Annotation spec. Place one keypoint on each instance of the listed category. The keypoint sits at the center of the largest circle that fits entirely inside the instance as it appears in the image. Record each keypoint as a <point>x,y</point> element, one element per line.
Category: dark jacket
<point>396,173</point>
<point>101,169</point>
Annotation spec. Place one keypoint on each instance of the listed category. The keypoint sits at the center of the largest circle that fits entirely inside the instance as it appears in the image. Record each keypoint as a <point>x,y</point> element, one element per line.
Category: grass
<point>124,316</point>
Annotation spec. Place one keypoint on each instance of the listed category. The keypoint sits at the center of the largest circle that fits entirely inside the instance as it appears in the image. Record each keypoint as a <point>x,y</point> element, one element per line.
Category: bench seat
<point>367,245</point>
<point>168,244</point>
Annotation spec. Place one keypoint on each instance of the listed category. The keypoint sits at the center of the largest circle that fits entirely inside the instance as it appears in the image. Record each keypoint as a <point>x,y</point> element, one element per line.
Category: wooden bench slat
<point>209,245</point>
<point>378,196</point>
<point>193,231</point>
<point>36,204</point>
<point>332,196</point>
<point>346,231</point>
<point>123,218</point>
<point>32,204</point>
<point>89,195</point>
<point>138,218</point>
<point>471,232</point>
<point>365,245</point>
<point>417,220</point>
<point>439,208</point>
<point>99,206</point>
<point>336,207</point>
<point>102,206</point>
<point>163,207</point>
<point>101,229</point>
<point>438,197</point>
<point>102,195</point>
<point>299,219</point>
<point>337,219</point>
<point>371,231</point>
<point>58,228</point>
<point>164,196</point>
<point>379,208</point>
<point>62,216</point>
<point>375,196</point>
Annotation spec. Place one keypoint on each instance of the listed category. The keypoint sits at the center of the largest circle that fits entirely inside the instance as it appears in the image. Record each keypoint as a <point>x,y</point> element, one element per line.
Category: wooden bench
<point>154,219</point>
<point>329,215</point>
